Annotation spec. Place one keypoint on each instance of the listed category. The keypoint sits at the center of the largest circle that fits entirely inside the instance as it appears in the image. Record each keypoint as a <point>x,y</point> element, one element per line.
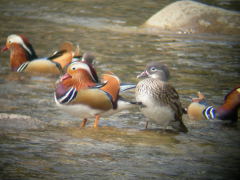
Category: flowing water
<point>121,148</point>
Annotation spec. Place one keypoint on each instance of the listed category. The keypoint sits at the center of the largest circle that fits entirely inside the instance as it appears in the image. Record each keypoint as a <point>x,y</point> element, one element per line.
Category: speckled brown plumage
<point>160,100</point>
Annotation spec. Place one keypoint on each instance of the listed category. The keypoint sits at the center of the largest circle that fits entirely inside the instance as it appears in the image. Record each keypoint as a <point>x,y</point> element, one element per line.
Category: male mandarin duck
<point>65,55</point>
<point>24,59</point>
<point>78,93</point>
<point>160,101</point>
<point>199,109</point>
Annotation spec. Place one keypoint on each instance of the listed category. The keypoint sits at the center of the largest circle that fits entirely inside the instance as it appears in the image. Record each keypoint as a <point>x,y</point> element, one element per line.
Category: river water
<point>121,148</point>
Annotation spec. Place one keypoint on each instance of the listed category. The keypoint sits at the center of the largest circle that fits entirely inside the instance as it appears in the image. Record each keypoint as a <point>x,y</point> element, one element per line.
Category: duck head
<point>155,70</point>
<point>78,75</point>
<point>88,59</point>
<point>20,50</point>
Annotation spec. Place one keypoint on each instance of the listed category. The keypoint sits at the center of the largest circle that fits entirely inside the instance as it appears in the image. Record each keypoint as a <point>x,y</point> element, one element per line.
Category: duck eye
<point>238,90</point>
<point>153,69</point>
<point>74,68</point>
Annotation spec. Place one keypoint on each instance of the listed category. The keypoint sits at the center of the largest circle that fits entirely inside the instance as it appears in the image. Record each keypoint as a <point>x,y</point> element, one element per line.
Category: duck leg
<point>146,125</point>
<point>96,121</point>
<point>83,123</point>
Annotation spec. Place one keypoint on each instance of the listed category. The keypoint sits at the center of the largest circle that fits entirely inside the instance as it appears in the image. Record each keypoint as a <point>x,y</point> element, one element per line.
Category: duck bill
<point>5,48</point>
<point>65,76</point>
<point>144,74</point>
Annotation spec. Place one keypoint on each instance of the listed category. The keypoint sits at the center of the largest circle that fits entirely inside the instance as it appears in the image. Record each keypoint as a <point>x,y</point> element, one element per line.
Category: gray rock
<point>193,17</point>
<point>19,122</point>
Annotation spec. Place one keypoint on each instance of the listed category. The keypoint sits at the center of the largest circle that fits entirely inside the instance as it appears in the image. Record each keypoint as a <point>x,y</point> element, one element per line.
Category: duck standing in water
<point>79,93</point>
<point>199,109</point>
<point>159,100</point>
<point>23,57</point>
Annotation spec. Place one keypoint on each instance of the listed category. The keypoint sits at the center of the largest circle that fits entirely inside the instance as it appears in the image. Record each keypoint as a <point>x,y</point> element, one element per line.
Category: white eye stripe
<point>80,65</point>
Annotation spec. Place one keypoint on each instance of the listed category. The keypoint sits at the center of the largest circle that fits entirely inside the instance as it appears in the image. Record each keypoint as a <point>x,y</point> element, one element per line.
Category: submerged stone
<point>19,122</point>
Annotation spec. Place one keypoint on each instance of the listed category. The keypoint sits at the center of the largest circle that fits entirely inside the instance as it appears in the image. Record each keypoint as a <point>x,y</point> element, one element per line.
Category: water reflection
<point>120,148</point>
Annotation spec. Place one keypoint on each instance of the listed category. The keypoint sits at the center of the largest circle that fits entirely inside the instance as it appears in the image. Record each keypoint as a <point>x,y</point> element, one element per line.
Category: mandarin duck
<point>79,93</point>
<point>65,55</point>
<point>199,109</point>
<point>160,101</point>
<point>24,59</point>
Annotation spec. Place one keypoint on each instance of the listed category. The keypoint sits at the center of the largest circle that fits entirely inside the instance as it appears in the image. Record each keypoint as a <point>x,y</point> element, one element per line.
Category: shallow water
<point>120,148</point>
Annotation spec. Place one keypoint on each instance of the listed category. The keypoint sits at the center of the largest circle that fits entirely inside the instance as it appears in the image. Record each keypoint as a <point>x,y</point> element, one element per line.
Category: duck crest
<point>94,74</point>
<point>88,59</point>
<point>30,50</point>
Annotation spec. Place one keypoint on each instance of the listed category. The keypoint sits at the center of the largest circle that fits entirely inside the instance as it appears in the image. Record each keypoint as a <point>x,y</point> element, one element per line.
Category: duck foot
<point>83,123</point>
<point>96,121</point>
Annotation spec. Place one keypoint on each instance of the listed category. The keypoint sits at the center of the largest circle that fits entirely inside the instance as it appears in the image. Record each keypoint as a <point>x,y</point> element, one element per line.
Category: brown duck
<point>160,101</point>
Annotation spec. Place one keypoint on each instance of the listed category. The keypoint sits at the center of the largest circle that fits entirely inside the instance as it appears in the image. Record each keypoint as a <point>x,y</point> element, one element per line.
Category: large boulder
<point>193,17</point>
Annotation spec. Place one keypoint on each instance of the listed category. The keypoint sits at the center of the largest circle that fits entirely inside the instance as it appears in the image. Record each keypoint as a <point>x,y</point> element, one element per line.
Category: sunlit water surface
<point>121,148</point>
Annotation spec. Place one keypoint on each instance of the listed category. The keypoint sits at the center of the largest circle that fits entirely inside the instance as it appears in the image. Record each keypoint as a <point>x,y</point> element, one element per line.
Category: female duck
<point>160,101</point>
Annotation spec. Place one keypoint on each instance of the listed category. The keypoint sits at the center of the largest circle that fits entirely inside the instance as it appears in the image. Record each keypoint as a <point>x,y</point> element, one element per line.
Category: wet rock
<point>19,122</point>
<point>193,17</point>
